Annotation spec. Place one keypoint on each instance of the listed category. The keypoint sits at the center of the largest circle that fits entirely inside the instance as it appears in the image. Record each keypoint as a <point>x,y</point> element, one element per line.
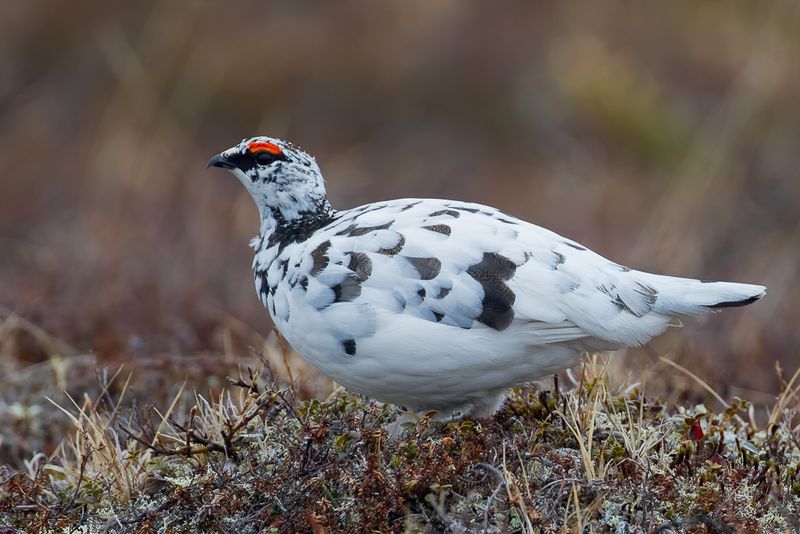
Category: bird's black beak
<point>220,161</point>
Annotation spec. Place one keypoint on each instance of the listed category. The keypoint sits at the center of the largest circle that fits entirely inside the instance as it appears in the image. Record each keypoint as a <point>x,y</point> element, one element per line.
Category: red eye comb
<point>262,146</point>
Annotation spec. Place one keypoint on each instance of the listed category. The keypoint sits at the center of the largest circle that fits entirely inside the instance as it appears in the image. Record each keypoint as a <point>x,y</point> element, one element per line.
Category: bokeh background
<point>663,135</point>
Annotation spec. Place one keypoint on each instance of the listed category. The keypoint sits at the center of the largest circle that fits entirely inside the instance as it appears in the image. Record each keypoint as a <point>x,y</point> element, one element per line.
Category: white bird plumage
<point>441,304</point>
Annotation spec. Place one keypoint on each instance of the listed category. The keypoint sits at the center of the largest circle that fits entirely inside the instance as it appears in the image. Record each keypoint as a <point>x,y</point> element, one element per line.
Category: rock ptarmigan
<point>440,304</point>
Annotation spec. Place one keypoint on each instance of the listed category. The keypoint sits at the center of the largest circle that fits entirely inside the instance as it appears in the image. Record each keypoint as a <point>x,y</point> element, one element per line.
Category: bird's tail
<point>684,296</point>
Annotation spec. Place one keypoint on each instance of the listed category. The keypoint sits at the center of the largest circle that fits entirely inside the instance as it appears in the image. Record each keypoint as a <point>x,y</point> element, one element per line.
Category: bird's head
<point>281,177</point>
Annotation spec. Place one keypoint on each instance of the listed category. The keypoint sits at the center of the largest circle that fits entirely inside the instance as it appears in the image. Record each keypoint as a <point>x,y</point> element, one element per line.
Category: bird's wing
<point>470,266</point>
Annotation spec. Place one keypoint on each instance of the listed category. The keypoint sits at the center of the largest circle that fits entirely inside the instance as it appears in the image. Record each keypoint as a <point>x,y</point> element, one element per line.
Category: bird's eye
<point>264,158</point>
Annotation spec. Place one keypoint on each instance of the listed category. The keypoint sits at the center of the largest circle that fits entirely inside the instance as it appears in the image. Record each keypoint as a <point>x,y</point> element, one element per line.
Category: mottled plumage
<point>440,304</point>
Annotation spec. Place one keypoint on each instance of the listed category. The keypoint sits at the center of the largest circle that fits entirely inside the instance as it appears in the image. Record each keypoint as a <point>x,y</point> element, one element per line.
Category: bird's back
<point>411,293</point>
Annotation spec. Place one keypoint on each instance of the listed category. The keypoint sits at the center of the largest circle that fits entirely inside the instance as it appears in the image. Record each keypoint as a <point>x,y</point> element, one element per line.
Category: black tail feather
<point>735,303</point>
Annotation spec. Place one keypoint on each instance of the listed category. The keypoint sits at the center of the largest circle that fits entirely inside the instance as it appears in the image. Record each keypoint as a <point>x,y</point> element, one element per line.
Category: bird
<point>441,305</point>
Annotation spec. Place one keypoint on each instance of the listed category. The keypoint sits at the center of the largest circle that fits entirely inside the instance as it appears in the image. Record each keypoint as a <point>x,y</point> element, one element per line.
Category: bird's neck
<point>295,222</point>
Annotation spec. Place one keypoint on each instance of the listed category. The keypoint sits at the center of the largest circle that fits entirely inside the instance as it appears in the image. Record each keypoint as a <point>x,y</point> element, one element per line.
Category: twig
<point>492,469</point>
<point>208,446</point>
<point>84,460</point>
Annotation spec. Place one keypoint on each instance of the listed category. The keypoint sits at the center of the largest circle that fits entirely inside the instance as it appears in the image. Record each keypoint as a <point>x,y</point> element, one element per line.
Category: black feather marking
<point>735,303</point>
<point>349,347</point>
<point>451,213</point>
<point>559,258</point>
<point>613,294</point>
<point>649,296</point>
<point>347,230</point>
<point>302,228</point>
<point>649,293</point>
<point>367,208</point>
<point>506,221</point>
<point>320,255</point>
<point>409,206</point>
<point>574,245</point>
<point>492,267</point>
<point>304,282</point>
<point>439,316</point>
<point>264,287</point>
<point>497,309</point>
<point>367,229</point>
<point>498,299</point>
<point>361,265</point>
<point>395,249</point>
<point>573,286</point>
<point>428,268</point>
<point>617,301</point>
<point>443,292</point>
<point>441,228</point>
<point>347,290</point>
<point>421,292</point>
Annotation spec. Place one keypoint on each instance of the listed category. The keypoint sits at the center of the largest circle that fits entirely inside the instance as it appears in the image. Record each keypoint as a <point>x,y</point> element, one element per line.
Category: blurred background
<point>663,135</point>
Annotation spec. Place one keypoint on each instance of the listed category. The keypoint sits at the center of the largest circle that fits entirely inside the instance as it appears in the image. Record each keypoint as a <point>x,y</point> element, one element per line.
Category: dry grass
<point>589,458</point>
